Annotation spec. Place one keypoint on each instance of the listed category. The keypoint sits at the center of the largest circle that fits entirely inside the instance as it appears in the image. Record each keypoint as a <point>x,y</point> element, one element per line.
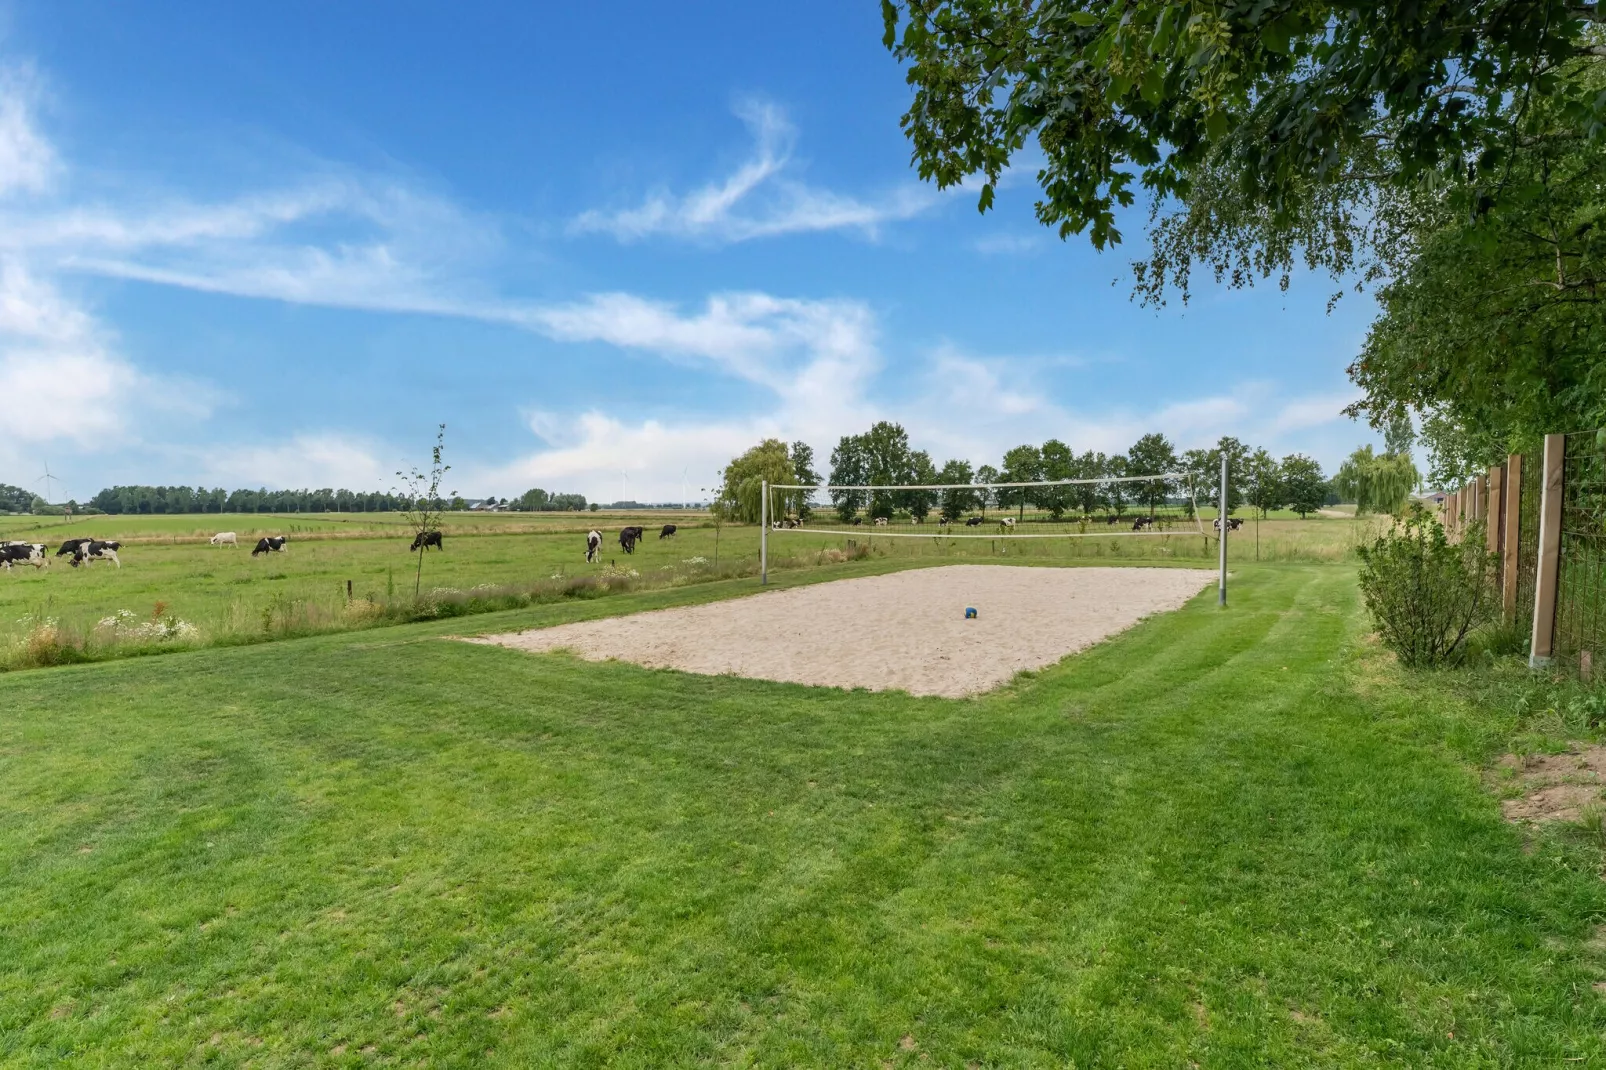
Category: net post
<point>1221,518</point>
<point>764,532</point>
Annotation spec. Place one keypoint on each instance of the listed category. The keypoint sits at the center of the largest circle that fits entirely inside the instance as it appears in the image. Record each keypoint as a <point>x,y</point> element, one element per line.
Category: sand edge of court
<point>902,630</point>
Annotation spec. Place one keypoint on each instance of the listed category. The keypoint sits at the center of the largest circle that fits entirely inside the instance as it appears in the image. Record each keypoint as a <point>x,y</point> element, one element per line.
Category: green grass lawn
<point>1224,838</point>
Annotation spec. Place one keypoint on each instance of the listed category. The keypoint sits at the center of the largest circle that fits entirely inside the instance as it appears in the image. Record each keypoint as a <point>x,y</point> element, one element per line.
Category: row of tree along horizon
<point>180,499</point>
<point>883,456</point>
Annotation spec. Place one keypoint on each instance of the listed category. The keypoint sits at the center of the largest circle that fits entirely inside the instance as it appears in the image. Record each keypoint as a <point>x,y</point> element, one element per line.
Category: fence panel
<point>1581,582</point>
<point>1528,539</point>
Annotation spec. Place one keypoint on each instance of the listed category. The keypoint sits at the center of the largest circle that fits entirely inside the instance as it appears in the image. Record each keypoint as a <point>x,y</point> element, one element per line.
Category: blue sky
<point>608,245</point>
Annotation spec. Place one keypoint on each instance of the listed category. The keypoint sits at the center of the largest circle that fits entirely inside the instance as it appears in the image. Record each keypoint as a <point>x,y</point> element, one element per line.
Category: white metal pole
<point>764,532</point>
<point>1221,518</point>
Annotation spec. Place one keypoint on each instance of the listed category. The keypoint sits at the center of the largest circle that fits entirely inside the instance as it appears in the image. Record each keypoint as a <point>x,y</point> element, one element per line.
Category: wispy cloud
<point>27,160</point>
<point>760,199</point>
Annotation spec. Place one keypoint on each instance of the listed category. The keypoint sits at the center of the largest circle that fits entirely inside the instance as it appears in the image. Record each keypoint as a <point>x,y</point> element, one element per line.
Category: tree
<point>1491,329</point>
<point>1088,496</point>
<point>1116,494</point>
<point>921,472</point>
<point>803,473</point>
<point>1377,483</point>
<point>1276,100</point>
<point>850,466</point>
<point>957,500</point>
<point>14,499</point>
<point>881,456</point>
<point>1058,461</point>
<point>742,480</point>
<point>1152,453</point>
<point>1304,486</point>
<point>1263,482</point>
<point>534,500</point>
<point>423,493</point>
<point>1023,464</point>
<point>986,475</point>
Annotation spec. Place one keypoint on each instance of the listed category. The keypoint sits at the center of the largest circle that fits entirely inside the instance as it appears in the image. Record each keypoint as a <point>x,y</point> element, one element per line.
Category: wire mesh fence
<point>1528,539</point>
<point>1581,579</point>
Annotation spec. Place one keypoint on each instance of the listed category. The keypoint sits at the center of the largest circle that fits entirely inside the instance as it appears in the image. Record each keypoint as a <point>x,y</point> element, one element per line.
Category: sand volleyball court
<point>905,630</point>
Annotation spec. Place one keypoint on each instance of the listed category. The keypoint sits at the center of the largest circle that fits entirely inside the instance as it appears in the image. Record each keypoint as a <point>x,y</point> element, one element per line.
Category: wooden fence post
<point>1544,631</point>
<point>1497,476</point>
<point>1508,555</point>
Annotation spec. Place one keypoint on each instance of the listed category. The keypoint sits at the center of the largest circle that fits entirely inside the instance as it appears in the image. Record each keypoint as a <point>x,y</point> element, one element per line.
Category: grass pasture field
<point>1221,839</point>
<point>176,590</point>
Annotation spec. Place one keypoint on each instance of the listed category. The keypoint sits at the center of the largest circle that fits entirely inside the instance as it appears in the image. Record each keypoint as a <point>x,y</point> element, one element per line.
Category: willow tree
<point>1377,482</point>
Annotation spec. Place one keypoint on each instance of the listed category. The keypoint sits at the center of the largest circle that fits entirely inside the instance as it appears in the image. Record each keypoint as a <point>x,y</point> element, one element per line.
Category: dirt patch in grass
<point>905,630</point>
<point>1554,787</point>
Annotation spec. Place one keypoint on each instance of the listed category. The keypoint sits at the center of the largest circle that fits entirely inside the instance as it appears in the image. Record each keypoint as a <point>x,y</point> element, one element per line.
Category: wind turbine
<point>47,479</point>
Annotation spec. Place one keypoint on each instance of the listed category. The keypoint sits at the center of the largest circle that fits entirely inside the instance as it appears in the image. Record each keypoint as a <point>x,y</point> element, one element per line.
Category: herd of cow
<point>82,551</point>
<point>628,537</point>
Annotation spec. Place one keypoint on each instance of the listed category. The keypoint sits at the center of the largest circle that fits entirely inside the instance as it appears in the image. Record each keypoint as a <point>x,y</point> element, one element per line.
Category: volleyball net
<point>1161,503</point>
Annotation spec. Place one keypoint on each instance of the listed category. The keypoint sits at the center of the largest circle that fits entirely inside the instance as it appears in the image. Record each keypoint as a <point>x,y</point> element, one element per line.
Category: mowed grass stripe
<point>1164,850</point>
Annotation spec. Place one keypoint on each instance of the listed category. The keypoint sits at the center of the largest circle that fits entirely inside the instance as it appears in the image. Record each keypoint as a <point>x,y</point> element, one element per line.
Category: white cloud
<point>310,460</point>
<point>27,161</point>
<point>1010,244</point>
<point>1302,413</point>
<point>757,200</point>
<point>58,379</point>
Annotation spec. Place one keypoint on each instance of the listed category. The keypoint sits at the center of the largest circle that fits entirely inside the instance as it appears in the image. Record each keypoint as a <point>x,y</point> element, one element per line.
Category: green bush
<point>1426,593</point>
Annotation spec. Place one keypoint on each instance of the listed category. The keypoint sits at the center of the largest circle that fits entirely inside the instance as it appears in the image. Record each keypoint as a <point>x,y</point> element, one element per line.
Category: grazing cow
<point>628,537</point>
<point>425,539</point>
<point>973,522</point>
<point>880,521</point>
<point>669,529</point>
<point>593,545</point>
<point>225,538</point>
<point>23,553</point>
<point>1007,524</point>
<point>1112,520</point>
<point>858,520</point>
<point>1142,522</point>
<point>95,550</point>
<point>1233,523</point>
<point>272,545</point>
<point>70,547</point>
<point>791,520</point>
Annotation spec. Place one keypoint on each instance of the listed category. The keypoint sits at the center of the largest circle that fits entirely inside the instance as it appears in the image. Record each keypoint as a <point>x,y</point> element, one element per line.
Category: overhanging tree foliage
<point>1125,93</point>
<point>1448,151</point>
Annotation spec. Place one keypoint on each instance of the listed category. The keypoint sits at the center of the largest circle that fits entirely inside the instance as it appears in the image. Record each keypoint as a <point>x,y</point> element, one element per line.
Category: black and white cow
<point>425,539</point>
<point>974,522</point>
<point>1142,522</point>
<point>628,537</point>
<point>1233,523</point>
<point>273,544</point>
<point>23,553</point>
<point>95,550</point>
<point>70,547</point>
<point>669,529</point>
<point>593,545</point>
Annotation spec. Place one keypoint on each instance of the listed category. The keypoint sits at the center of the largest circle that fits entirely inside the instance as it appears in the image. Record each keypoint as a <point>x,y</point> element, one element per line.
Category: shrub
<point>1426,593</point>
